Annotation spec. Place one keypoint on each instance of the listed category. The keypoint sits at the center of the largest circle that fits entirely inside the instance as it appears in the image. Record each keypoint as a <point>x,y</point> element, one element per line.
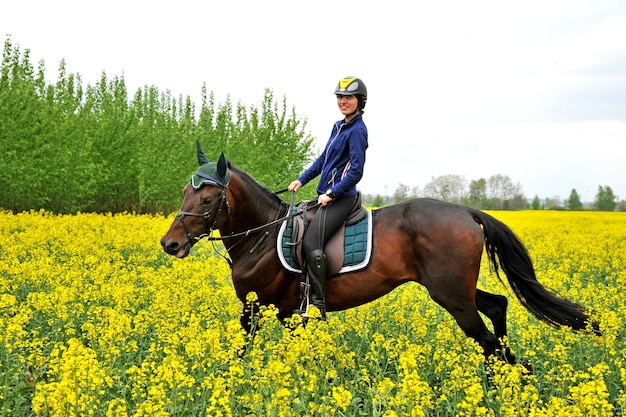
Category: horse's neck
<point>250,211</point>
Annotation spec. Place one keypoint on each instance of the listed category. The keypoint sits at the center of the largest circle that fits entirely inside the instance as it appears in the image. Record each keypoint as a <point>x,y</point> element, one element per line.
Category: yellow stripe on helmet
<point>345,82</point>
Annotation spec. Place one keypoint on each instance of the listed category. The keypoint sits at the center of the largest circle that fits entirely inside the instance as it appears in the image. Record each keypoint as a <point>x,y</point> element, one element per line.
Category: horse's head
<point>204,207</point>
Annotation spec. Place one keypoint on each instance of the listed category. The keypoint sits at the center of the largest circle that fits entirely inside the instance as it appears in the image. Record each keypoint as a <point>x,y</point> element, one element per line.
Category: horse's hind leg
<point>465,312</point>
<point>494,307</point>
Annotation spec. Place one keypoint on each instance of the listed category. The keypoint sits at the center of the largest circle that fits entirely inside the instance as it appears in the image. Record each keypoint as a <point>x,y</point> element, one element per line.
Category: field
<point>96,320</point>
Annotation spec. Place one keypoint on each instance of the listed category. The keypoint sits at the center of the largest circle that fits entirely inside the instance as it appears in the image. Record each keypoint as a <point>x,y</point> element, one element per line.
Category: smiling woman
<point>90,312</point>
<point>340,168</point>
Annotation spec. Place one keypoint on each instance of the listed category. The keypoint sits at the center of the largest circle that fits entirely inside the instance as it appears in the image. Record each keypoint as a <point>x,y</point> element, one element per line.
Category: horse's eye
<point>206,201</point>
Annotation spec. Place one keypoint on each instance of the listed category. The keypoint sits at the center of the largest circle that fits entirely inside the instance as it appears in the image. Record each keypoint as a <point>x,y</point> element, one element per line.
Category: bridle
<point>219,205</point>
<point>222,201</point>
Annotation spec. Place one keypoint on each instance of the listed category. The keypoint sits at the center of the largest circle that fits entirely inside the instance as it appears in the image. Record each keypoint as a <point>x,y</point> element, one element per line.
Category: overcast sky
<point>535,90</point>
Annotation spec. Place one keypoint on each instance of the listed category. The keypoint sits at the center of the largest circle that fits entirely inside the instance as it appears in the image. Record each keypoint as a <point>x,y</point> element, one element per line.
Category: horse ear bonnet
<point>202,159</point>
<point>216,174</point>
<point>222,166</point>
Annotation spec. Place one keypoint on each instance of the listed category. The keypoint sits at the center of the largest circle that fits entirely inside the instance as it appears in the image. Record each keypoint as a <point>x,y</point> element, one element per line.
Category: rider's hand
<point>324,199</point>
<point>294,186</point>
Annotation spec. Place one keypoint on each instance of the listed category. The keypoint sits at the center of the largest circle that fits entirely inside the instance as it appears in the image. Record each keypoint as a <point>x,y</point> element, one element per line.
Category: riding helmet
<point>349,86</point>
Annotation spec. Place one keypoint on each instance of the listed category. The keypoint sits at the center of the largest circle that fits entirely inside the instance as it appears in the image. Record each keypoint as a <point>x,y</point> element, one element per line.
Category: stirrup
<point>306,311</point>
<point>304,297</point>
<point>314,313</point>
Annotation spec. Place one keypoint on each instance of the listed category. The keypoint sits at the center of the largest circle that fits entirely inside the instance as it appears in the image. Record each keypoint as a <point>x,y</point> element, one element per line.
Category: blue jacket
<point>340,166</point>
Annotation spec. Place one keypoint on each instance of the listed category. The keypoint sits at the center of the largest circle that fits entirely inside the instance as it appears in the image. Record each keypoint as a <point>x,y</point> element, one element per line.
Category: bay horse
<point>434,243</point>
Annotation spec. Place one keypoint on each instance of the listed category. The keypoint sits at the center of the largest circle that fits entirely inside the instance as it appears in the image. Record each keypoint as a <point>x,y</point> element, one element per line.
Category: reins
<point>209,230</point>
<point>284,190</point>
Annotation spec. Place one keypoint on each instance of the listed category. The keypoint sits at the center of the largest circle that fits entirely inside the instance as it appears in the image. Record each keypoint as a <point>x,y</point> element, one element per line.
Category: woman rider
<point>340,168</point>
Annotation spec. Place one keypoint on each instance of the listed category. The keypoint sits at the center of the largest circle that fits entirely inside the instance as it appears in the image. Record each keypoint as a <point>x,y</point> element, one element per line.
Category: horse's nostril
<point>169,246</point>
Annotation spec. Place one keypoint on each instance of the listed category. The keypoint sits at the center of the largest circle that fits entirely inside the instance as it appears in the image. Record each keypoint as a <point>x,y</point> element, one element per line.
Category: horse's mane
<point>266,193</point>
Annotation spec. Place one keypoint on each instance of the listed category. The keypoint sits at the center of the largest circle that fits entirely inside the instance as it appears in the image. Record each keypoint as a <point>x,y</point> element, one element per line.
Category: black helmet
<point>349,86</point>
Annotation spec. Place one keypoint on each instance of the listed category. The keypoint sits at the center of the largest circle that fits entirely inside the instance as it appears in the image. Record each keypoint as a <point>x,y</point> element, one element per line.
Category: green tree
<point>114,147</point>
<point>573,202</point>
<point>270,142</point>
<point>23,147</point>
<point>402,193</point>
<point>504,194</point>
<point>68,124</point>
<point>477,193</point>
<point>516,202</point>
<point>165,149</point>
<point>449,188</point>
<point>378,201</point>
<point>536,204</point>
<point>605,199</point>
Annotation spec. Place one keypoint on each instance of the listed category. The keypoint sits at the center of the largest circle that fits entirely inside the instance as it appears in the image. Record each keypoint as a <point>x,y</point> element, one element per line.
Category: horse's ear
<point>222,166</point>
<point>202,159</point>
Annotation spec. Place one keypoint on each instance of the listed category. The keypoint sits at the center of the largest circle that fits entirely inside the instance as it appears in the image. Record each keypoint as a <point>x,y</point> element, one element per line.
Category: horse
<point>434,243</point>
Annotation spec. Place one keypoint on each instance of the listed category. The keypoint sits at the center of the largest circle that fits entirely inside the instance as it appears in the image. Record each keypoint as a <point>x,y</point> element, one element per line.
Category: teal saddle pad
<point>357,245</point>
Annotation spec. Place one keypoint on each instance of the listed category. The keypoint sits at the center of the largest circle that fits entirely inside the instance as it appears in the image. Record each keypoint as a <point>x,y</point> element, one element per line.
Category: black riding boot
<point>317,270</point>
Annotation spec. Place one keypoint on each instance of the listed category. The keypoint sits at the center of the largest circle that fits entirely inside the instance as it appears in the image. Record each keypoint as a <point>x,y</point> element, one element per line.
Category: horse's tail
<point>507,252</point>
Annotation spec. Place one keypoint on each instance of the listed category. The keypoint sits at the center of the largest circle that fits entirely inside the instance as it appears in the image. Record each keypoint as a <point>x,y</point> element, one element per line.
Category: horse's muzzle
<point>175,248</point>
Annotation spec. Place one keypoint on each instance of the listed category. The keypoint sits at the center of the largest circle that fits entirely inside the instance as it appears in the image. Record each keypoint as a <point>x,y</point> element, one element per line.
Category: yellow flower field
<point>96,320</point>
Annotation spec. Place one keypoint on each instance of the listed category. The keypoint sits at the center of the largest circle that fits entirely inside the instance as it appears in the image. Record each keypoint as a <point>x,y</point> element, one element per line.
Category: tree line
<point>67,147</point>
<point>498,192</point>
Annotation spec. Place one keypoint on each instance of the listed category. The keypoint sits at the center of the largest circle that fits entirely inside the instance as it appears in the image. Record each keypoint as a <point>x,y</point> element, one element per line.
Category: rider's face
<point>347,104</point>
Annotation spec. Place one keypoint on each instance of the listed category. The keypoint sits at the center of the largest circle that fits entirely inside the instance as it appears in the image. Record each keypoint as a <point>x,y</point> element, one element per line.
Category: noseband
<point>206,215</point>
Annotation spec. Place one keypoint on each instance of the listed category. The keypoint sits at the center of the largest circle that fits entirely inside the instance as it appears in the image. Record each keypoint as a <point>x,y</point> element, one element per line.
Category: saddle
<point>354,230</point>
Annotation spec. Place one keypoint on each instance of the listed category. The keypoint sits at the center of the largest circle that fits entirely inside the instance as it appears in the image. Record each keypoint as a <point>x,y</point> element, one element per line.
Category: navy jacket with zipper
<point>340,166</point>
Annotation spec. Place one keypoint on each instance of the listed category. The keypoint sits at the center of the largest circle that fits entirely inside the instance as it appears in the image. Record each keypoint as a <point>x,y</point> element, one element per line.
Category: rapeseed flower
<point>96,320</point>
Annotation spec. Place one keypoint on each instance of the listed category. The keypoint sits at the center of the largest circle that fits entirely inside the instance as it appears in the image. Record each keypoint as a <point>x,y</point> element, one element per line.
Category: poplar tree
<point>573,202</point>
<point>605,199</point>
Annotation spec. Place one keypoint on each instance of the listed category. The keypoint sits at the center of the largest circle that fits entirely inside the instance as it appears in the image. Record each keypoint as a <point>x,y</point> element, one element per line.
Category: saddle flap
<point>334,248</point>
<point>334,251</point>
